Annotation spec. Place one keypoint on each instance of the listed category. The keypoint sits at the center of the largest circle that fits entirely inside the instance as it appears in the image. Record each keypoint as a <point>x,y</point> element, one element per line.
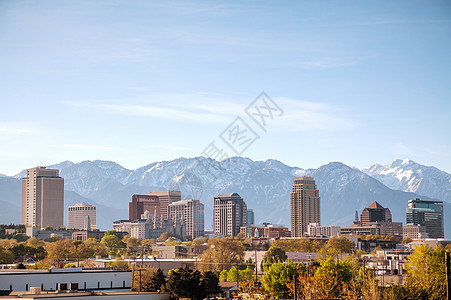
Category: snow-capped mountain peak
<point>409,176</point>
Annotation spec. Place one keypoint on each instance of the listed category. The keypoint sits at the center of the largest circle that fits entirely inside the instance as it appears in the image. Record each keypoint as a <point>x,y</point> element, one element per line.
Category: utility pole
<point>142,264</point>
<point>448,274</point>
<point>237,278</point>
<point>256,268</point>
<point>295,287</point>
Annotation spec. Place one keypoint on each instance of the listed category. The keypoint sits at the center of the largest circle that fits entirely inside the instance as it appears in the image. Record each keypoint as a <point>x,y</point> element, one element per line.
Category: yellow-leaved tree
<point>426,273</point>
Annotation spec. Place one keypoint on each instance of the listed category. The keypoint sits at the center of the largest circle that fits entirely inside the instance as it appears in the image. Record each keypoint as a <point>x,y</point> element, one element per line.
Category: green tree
<point>426,277</point>
<point>119,264</point>
<point>35,242</point>
<point>298,245</point>
<point>230,275</point>
<point>113,241</point>
<point>240,236</point>
<point>200,241</point>
<point>274,254</point>
<point>81,250</point>
<point>157,280</point>
<point>277,278</point>
<point>369,285</point>
<point>8,243</point>
<point>148,243</point>
<point>330,278</point>
<point>185,283</point>
<point>22,249</point>
<point>141,277</point>
<point>251,289</point>
<point>171,241</point>
<point>406,240</point>
<point>96,247</point>
<point>132,243</point>
<point>335,247</point>
<point>210,283</point>
<point>222,253</point>
<point>59,250</point>
<point>70,265</point>
<point>163,237</point>
<point>6,256</point>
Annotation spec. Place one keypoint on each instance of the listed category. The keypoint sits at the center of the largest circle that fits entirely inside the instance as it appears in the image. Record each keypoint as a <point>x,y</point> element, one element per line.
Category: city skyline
<point>361,83</point>
<point>43,200</point>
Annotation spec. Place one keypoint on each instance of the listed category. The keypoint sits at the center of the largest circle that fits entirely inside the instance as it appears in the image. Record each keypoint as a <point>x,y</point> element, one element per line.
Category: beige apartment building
<point>81,216</point>
<point>305,205</point>
<point>42,198</point>
<point>191,212</point>
<point>165,198</point>
<point>314,229</point>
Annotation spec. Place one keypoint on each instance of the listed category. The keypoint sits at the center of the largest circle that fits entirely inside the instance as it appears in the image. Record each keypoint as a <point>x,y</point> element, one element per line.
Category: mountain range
<point>264,185</point>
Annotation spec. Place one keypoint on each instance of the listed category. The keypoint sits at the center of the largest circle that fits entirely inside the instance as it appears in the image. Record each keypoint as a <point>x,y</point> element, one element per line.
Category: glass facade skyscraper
<point>428,214</point>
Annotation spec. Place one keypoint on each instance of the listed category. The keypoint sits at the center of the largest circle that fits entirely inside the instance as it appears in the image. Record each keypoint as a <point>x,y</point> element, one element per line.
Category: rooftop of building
<point>81,204</point>
<point>169,192</point>
<point>267,225</point>
<point>376,205</point>
<point>228,195</point>
<point>304,178</point>
<point>181,202</point>
<point>425,201</point>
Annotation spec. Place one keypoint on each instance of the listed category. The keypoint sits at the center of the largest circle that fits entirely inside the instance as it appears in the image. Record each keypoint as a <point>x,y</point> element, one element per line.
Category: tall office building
<point>81,216</point>
<point>428,214</point>
<point>166,198</point>
<point>191,213</point>
<point>42,198</point>
<point>250,217</point>
<point>141,203</point>
<point>305,205</point>
<point>229,213</point>
<point>375,213</point>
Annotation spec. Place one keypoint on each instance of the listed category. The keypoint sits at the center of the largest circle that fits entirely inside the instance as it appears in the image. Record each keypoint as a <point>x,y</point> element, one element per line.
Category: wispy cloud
<point>193,108</point>
<point>165,147</point>
<point>299,115</point>
<point>305,116</point>
<point>78,146</point>
<point>15,129</point>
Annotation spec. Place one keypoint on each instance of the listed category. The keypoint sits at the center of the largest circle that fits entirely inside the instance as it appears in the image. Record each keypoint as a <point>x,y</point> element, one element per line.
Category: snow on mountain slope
<point>409,176</point>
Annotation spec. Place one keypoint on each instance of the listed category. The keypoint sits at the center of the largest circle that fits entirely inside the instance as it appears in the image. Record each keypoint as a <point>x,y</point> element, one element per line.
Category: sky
<point>142,81</point>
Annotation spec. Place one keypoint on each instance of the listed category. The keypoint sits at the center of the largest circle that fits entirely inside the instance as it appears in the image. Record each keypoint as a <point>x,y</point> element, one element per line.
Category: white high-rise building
<point>191,212</point>
<point>81,216</point>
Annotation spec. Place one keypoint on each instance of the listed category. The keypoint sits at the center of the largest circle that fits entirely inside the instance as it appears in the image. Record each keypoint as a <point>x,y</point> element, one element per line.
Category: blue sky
<point>142,81</point>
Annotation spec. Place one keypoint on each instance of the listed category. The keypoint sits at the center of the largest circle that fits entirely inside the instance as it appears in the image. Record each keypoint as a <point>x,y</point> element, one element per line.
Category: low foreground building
<point>78,295</point>
<point>57,279</point>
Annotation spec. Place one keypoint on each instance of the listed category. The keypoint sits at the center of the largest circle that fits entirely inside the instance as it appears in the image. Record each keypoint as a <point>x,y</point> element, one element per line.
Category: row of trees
<point>58,249</point>
<point>180,283</point>
<point>346,279</point>
<point>325,278</point>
